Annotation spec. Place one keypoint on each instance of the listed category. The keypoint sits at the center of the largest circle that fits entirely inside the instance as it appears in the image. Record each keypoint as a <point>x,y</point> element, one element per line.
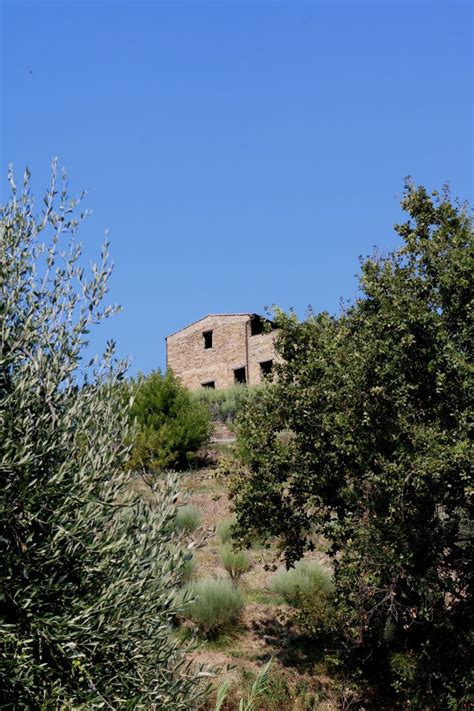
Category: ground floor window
<point>211,384</point>
<point>240,376</point>
<point>266,367</point>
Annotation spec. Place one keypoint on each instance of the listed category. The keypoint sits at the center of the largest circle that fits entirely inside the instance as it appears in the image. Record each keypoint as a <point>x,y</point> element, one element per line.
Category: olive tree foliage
<point>377,456</point>
<point>89,565</point>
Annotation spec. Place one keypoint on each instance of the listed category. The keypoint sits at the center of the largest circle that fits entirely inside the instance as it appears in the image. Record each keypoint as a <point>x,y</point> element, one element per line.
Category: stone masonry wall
<point>261,348</point>
<point>232,347</point>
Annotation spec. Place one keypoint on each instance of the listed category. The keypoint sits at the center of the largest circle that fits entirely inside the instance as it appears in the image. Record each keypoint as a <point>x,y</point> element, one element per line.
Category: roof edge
<point>193,323</point>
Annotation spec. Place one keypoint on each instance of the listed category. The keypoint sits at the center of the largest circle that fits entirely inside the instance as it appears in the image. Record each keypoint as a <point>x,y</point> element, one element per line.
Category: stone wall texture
<point>233,347</point>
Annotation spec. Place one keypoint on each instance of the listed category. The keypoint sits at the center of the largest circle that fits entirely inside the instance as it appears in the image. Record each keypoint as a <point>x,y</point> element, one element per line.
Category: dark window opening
<point>211,385</point>
<point>266,367</point>
<point>256,326</point>
<point>240,376</point>
<point>207,335</point>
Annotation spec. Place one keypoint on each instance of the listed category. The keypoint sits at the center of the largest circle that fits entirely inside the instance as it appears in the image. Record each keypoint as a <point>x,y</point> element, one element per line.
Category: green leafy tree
<point>89,566</point>
<point>171,425</point>
<point>377,403</point>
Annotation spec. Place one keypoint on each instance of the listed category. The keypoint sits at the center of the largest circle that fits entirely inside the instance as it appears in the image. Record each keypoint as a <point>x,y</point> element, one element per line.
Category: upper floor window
<point>207,335</point>
<point>256,326</point>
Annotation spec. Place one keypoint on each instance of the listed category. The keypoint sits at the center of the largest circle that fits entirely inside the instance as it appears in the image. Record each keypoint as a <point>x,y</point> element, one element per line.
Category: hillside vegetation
<point>323,560</point>
<point>378,403</point>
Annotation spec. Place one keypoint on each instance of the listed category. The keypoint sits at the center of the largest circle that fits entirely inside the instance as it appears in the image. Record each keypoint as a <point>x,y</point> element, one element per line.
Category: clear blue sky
<point>240,153</point>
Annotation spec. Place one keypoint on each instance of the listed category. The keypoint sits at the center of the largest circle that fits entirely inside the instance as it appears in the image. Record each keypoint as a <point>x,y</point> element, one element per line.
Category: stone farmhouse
<point>220,350</point>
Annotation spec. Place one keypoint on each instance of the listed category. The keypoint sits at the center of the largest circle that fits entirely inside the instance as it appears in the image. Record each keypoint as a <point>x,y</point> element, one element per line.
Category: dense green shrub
<point>236,562</point>
<point>307,579</point>
<point>379,404</point>
<point>215,607</point>
<point>88,565</point>
<point>188,518</point>
<point>171,426</point>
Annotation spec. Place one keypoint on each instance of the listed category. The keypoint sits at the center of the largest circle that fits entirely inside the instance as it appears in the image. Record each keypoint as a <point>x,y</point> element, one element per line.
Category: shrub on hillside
<point>306,579</point>
<point>88,565</point>
<point>171,426</point>
<point>224,404</point>
<point>187,570</point>
<point>224,530</point>
<point>188,518</point>
<point>234,561</point>
<point>216,605</point>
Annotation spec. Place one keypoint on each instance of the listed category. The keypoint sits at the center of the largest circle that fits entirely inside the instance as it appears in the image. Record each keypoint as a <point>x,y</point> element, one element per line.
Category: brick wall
<point>233,347</point>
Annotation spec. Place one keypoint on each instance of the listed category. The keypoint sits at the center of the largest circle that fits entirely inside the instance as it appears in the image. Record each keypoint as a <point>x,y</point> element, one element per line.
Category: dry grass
<point>299,682</point>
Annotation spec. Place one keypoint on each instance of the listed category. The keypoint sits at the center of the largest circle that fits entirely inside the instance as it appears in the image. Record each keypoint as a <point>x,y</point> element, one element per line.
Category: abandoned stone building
<point>220,350</point>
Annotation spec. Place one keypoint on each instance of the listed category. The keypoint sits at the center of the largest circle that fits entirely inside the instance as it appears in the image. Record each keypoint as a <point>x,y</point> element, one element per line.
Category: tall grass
<point>187,571</point>
<point>224,404</point>
<point>224,530</point>
<point>187,518</point>
<point>215,607</point>
<point>235,562</point>
<point>257,693</point>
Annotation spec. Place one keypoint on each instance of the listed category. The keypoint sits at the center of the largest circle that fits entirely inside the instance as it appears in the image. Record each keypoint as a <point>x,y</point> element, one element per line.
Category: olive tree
<point>89,565</point>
